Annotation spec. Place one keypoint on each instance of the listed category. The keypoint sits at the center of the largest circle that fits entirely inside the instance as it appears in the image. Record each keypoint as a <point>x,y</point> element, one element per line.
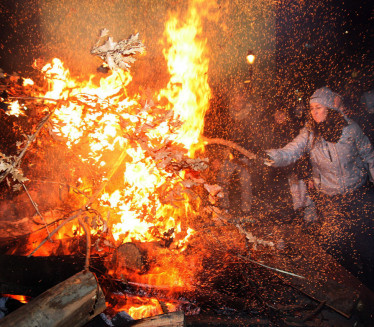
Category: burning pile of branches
<point>99,137</point>
<point>127,170</point>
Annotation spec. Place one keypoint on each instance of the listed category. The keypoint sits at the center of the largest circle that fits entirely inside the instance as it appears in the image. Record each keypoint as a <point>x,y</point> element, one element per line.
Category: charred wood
<point>137,256</point>
<point>73,302</point>
<point>172,319</point>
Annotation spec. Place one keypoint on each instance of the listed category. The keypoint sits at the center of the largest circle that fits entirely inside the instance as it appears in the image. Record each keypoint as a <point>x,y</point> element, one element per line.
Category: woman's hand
<point>265,159</point>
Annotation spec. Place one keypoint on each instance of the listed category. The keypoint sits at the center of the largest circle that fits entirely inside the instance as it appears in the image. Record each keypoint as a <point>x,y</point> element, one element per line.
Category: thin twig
<point>88,243</point>
<point>271,268</point>
<point>67,220</point>
<point>38,212</point>
<point>33,98</point>
<point>89,202</point>
<point>29,141</point>
<point>77,190</point>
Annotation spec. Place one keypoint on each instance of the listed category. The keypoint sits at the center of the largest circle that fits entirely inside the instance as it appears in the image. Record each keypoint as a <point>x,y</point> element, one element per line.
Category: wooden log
<point>137,256</point>
<point>130,256</point>
<point>71,303</point>
<point>172,319</point>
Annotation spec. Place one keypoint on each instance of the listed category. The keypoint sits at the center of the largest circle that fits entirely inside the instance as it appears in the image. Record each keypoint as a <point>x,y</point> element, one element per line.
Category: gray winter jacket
<point>337,167</point>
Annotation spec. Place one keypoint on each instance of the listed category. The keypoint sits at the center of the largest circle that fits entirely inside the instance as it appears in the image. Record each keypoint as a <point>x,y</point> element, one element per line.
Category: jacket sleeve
<point>292,151</point>
<point>365,150</point>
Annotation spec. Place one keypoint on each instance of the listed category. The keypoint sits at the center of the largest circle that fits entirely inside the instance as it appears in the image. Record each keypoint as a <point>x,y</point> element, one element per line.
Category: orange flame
<point>102,121</point>
<point>142,307</point>
<point>21,298</point>
<point>188,90</point>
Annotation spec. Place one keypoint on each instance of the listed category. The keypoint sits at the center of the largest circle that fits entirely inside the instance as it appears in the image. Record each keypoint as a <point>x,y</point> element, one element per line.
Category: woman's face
<point>318,111</point>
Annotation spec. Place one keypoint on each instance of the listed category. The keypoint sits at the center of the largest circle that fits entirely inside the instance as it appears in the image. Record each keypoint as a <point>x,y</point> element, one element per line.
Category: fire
<point>188,90</point>
<point>20,298</point>
<point>142,307</point>
<point>104,127</point>
<point>16,109</point>
<point>97,120</point>
<point>27,82</point>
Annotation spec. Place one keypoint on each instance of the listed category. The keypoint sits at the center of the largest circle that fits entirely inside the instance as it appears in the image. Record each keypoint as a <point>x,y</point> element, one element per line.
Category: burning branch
<point>88,243</point>
<point>13,168</point>
<point>87,205</point>
<point>37,210</point>
<point>230,144</point>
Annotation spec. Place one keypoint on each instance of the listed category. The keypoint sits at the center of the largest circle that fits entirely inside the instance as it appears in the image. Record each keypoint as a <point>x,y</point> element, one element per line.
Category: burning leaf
<point>253,239</point>
<point>104,32</point>
<point>213,189</point>
<point>4,166</point>
<point>17,175</point>
<point>188,183</point>
<point>198,164</point>
<point>118,55</point>
<point>17,187</point>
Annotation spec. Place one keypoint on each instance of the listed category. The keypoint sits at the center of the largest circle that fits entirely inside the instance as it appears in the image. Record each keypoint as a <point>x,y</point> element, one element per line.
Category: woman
<point>342,160</point>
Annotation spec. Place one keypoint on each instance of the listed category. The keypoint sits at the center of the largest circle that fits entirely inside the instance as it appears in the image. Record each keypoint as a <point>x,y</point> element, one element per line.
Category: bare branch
<point>88,243</point>
<point>230,144</point>
<point>89,202</point>
<point>37,210</point>
<point>29,141</point>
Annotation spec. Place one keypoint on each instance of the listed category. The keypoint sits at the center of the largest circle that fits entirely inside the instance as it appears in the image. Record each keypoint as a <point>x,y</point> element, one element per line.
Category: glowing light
<point>15,110</point>
<point>250,58</point>
<point>28,81</point>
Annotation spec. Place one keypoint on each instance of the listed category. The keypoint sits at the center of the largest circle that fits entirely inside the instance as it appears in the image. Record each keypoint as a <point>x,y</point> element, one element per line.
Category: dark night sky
<point>324,42</point>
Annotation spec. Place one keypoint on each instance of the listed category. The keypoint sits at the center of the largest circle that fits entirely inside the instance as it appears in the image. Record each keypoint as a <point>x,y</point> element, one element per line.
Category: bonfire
<point>130,172</point>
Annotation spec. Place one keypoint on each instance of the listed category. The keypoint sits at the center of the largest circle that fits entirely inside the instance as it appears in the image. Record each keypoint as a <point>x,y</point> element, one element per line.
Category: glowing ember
<point>20,298</point>
<point>142,307</point>
<point>15,109</point>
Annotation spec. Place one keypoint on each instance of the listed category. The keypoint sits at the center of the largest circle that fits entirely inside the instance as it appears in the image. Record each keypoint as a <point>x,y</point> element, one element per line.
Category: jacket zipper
<point>340,167</point>
<point>328,150</point>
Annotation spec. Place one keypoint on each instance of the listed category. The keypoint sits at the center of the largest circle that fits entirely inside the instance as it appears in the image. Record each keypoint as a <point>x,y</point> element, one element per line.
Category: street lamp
<point>250,57</point>
<point>250,60</point>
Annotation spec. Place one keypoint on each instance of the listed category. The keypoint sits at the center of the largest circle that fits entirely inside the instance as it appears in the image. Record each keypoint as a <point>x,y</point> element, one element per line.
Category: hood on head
<point>326,97</point>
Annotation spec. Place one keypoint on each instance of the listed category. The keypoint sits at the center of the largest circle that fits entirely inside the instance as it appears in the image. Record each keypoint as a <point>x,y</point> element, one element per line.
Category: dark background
<point>325,43</point>
<point>20,39</point>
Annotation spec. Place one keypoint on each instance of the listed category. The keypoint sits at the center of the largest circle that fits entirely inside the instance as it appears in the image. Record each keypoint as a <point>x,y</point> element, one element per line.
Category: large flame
<point>101,124</point>
<point>188,90</point>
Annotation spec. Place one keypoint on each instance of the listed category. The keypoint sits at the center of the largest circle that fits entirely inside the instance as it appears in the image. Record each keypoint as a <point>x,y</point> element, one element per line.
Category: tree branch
<point>231,144</point>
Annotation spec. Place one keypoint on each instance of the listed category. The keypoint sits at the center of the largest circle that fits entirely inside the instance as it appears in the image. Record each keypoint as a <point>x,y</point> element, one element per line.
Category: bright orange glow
<point>251,58</point>
<point>188,91</point>
<point>15,109</point>
<point>98,122</point>
<point>20,298</point>
<point>141,307</point>
<point>28,81</point>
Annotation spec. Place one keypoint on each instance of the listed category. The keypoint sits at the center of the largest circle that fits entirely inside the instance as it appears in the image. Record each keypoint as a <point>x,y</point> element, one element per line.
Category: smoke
<point>69,29</point>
